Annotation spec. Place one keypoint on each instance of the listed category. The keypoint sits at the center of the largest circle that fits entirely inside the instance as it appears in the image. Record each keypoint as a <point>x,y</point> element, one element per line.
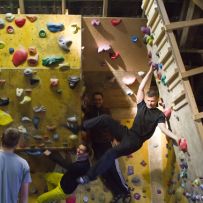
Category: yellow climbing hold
<point>2,44</point>
<point>5,118</point>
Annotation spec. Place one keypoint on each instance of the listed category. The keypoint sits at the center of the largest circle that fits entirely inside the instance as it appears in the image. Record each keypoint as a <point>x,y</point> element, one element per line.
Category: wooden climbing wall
<point>60,102</point>
<point>98,67</point>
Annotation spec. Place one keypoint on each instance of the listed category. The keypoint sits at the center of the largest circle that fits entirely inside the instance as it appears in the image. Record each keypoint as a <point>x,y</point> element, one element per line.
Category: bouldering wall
<point>41,94</point>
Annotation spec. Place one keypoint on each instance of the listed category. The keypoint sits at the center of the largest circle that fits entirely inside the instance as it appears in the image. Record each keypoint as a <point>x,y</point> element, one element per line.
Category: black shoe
<point>83,180</point>
<point>127,198</point>
<point>117,199</point>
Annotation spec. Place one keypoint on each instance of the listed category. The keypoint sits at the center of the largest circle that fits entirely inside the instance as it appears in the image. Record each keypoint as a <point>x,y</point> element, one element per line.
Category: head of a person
<point>98,99</point>
<point>10,138</point>
<point>82,149</point>
<point>152,98</point>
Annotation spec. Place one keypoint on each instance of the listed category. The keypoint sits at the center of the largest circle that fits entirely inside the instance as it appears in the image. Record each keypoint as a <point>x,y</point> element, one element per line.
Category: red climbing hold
<point>114,56</point>
<point>20,22</point>
<point>167,112</point>
<point>116,22</point>
<point>182,142</point>
<point>19,57</point>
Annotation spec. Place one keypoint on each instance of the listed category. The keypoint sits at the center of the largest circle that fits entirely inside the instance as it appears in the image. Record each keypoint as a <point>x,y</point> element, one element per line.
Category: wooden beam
<point>179,97</point>
<point>182,24</point>
<point>197,116</point>
<point>180,105</point>
<point>105,8</point>
<point>63,6</point>
<point>22,6</point>
<point>199,3</point>
<point>192,72</point>
<point>177,56</point>
<point>195,51</point>
<point>189,16</point>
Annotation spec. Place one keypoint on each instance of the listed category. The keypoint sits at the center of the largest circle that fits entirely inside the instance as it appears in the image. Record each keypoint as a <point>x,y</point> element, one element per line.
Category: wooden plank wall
<point>97,66</point>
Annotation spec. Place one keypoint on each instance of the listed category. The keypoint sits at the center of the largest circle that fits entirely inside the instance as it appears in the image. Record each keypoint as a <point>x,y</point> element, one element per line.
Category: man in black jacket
<point>147,119</point>
<point>101,141</point>
<point>65,184</point>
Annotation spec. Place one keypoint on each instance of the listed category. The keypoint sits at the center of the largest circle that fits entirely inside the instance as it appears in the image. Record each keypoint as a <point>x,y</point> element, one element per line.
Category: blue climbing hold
<point>55,27</point>
<point>34,152</point>
<point>11,50</point>
<point>134,39</point>
<point>36,121</point>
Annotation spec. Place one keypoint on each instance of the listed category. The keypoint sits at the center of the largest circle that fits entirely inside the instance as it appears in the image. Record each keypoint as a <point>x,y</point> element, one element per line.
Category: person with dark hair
<point>148,117</point>
<point>14,170</point>
<point>101,141</point>
<point>61,185</point>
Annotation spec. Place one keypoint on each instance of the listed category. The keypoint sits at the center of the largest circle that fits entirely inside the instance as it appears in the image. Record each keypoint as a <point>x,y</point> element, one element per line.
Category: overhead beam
<point>195,51</point>
<point>22,6</point>
<point>197,116</point>
<point>105,8</point>
<point>192,72</point>
<point>182,24</point>
<point>189,16</point>
<point>199,3</point>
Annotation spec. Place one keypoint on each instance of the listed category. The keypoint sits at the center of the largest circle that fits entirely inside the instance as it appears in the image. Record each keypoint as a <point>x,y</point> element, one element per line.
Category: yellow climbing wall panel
<point>28,36</point>
<point>58,106</point>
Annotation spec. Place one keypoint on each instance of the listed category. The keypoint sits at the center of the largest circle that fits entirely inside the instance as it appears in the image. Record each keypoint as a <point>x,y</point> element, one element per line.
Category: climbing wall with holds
<point>45,33</point>
<point>40,78</point>
<point>114,57</point>
<point>178,101</point>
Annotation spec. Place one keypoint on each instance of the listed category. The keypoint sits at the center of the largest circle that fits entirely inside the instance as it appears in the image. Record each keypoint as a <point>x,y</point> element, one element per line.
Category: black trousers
<point>129,143</point>
<point>112,178</point>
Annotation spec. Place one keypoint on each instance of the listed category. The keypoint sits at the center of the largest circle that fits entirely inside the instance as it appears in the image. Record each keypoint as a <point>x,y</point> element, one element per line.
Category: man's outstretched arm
<point>167,132</point>
<point>140,92</point>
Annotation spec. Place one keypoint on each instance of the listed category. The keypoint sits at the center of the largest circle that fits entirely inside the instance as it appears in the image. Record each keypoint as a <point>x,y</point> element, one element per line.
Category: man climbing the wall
<point>101,141</point>
<point>148,117</point>
<point>64,185</point>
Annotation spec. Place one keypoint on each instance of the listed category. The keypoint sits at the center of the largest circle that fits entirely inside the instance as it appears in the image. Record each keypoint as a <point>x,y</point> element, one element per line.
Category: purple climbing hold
<point>137,196</point>
<point>145,30</point>
<point>155,66</point>
<point>158,191</point>
<point>95,22</point>
<point>130,170</point>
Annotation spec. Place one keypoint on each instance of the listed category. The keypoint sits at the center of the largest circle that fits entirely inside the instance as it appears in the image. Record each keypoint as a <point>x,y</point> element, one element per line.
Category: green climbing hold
<point>163,80</point>
<point>52,60</point>
<point>42,33</point>
<point>2,44</point>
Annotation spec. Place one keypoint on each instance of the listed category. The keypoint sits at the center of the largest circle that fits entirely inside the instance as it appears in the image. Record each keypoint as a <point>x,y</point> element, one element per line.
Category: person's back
<point>14,170</point>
